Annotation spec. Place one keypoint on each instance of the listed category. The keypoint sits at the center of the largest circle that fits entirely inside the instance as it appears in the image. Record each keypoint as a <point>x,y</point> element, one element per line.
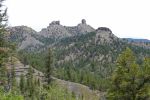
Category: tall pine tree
<point>130,81</point>
<point>22,83</point>
<point>3,50</point>
<point>3,21</point>
<point>49,66</point>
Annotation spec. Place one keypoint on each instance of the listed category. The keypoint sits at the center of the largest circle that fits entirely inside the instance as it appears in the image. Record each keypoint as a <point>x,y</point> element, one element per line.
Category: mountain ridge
<point>54,32</point>
<point>88,56</point>
<point>137,40</point>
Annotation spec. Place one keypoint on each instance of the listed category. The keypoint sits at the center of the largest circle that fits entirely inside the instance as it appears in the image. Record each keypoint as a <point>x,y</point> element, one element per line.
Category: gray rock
<point>59,31</point>
<point>54,23</point>
<point>30,41</point>
<point>83,21</point>
<point>104,29</point>
<point>104,34</point>
<point>24,37</point>
<point>54,30</point>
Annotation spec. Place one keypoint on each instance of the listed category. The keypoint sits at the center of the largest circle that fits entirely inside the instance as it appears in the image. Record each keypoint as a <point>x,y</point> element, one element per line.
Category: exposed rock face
<point>84,28</point>
<point>24,37</point>
<point>105,35</point>
<point>81,28</point>
<point>55,29</point>
<point>55,23</point>
<point>19,33</point>
<point>104,29</point>
<point>27,38</point>
<point>83,21</point>
<point>21,69</point>
<point>30,41</point>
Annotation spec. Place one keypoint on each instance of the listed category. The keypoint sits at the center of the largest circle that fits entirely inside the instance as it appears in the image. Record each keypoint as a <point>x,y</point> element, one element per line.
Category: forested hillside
<point>87,58</point>
<point>71,63</point>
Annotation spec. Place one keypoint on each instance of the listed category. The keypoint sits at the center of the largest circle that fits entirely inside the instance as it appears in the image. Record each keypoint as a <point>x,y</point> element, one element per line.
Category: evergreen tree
<point>129,81</point>
<point>11,73</point>
<point>3,21</point>
<point>22,83</point>
<point>13,78</point>
<point>3,75</point>
<point>49,66</point>
<point>25,61</point>
<point>30,85</point>
<point>3,50</point>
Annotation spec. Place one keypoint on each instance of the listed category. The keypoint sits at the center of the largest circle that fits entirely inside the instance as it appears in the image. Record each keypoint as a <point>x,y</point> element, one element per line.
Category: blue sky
<point>126,18</point>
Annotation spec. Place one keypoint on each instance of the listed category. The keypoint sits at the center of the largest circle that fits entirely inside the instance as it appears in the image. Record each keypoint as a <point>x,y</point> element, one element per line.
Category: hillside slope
<point>76,88</point>
<point>81,54</point>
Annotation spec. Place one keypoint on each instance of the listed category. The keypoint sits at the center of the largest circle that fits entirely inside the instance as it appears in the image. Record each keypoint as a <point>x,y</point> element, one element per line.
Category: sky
<point>126,18</point>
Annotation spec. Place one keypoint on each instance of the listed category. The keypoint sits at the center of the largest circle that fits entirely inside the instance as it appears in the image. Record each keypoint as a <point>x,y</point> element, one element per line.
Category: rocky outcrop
<point>21,69</point>
<point>104,29</point>
<point>84,28</point>
<point>81,28</point>
<point>28,39</point>
<point>24,37</point>
<point>104,34</point>
<point>54,23</point>
<point>19,33</point>
<point>83,21</point>
<point>55,29</point>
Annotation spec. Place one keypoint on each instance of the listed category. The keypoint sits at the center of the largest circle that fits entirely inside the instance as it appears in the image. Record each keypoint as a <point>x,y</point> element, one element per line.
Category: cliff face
<point>27,38</point>
<point>24,37</point>
<point>55,29</point>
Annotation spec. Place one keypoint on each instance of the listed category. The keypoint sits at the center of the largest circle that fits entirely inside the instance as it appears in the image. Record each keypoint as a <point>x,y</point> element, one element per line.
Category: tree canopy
<point>130,81</point>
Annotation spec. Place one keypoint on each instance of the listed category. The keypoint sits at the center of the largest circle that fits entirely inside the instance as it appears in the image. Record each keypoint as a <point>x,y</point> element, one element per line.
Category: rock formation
<point>54,23</point>
<point>55,29</point>
<point>83,21</point>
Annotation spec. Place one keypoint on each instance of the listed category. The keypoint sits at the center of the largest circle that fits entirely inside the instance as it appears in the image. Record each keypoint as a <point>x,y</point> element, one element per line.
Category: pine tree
<point>12,75</point>
<point>25,61</point>
<point>30,87</point>
<point>3,21</point>
<point>3,75</point>
<point>3,50</point>
<point>49,66</point>
<point>129,81</point>
<point>13,78</point>
<point>22,83</point>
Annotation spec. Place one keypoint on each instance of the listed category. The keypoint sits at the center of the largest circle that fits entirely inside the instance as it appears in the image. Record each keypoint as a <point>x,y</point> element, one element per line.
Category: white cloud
<point>126,18</point>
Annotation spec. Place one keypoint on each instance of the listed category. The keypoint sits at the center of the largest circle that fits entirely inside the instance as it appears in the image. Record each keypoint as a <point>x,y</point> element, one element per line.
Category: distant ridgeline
<point>80,52</point>
<point>138,40</point>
